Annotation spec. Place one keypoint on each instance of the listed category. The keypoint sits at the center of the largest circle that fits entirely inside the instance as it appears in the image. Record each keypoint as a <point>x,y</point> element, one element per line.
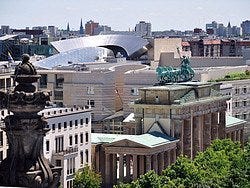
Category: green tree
<point>87,178</point>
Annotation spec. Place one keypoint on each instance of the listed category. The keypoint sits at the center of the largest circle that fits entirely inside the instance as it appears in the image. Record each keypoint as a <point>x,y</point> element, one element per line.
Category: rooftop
<point>150,140</point>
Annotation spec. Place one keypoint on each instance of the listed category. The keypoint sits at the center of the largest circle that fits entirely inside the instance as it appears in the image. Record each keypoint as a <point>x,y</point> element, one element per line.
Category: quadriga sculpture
<point>168,74</point>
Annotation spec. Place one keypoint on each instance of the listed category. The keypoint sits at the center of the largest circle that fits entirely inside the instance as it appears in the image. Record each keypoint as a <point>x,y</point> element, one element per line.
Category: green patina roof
<point>151,140</point>
<point>231,121</point>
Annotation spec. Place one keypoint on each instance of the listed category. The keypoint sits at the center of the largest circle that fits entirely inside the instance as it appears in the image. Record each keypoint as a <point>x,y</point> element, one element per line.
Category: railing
<point>66,151</point>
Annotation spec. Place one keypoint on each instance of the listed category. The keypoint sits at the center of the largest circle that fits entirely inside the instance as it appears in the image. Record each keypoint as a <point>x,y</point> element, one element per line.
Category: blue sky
<point>123,14</point>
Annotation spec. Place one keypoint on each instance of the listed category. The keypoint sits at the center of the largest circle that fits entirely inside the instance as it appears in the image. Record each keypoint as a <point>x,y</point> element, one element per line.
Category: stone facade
<point>190,114</point>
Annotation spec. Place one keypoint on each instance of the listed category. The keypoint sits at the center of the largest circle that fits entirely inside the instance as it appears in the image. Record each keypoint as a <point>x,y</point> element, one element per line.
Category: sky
<point>123,14</point>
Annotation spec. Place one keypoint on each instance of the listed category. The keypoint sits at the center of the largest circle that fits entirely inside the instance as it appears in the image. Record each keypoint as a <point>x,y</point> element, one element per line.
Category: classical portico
<point>126,157</point>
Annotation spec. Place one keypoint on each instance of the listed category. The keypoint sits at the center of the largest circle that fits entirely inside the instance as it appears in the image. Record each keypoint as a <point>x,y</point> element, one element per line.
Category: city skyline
<point>163,15</point>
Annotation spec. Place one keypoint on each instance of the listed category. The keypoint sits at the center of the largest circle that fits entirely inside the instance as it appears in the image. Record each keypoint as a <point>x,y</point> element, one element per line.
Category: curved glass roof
<point>82,55</point>
<point>130,43</point>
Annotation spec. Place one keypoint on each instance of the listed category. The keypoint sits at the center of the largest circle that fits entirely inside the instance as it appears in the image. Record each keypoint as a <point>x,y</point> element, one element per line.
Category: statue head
<point>25,58</point>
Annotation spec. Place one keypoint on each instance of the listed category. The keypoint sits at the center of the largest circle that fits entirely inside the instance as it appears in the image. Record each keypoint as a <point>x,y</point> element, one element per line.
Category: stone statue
<point>25,67</point>
<point>25,165</point>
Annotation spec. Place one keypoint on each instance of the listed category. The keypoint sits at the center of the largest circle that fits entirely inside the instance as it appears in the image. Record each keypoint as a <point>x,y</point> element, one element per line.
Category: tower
<point>68,29</point>
<point>81,32</point>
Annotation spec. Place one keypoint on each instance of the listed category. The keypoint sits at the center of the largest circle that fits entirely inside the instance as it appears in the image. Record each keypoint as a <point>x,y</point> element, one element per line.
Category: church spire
<point>81,28</point>
<point>68,27</point>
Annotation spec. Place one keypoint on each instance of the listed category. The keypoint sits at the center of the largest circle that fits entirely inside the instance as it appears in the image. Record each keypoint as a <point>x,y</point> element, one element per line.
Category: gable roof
<point>149,140</point>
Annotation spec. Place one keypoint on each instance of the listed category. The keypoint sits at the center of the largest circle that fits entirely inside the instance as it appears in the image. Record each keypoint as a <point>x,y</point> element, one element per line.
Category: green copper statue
<point>168,74</point>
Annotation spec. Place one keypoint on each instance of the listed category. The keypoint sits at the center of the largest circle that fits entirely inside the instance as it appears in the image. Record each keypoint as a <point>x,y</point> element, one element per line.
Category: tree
<point>87,178</point>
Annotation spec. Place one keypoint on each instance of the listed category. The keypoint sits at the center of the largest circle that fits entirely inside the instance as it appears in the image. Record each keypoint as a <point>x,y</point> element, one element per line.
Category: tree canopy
<point>223,164</point>
<point>87,178</point>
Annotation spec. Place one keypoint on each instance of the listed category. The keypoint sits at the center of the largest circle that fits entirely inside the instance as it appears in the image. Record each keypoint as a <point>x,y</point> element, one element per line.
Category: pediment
<point>127,143</point>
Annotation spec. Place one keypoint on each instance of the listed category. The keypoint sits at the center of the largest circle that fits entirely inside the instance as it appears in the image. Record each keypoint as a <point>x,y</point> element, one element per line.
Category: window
<point>65,125</point>
<point>81,138</point>
<point>91,103</point>
<point>43,80</point>
<point>47,145</point>
<point>244,90</point>
<point>134,91</point>
<point>245,103</point>
<point>157,99</point>
<point>86,137</point>
<point>58,162</point>
<point>58,95</point>
<point>70,124</point>
<point>1,138</point>
<point>70,184</point>
<point>81,121</point>
<point>237,90</point>
<point>237,104</point>
<point>87,120</point>
<point>59,126</point>
<point>53,127</point>
<point>76,139</point>
<point>244,116</point>
<point>90,90</point>
<point>70,140</point>
<point>59,80</point>
<point>1,156</point>
<point>76,123</point>
<point>59,144</point>
<point>87,155</point>
<point>81,157</point>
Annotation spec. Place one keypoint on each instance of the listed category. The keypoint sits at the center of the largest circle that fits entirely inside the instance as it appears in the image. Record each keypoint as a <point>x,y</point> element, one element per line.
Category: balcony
<point>67,151</point>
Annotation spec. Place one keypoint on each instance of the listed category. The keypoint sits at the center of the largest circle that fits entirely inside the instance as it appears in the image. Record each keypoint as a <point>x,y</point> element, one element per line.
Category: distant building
<point>245,25</point>
<point>102,29</point>
<point>211,28</point>
<point>52,31</point>
<point>5,30</point>
<point>90,27</point>
<point>143,28</point>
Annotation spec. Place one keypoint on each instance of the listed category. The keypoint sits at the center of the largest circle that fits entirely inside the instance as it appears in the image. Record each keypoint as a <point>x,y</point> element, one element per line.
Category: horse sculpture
<point>168,74</point>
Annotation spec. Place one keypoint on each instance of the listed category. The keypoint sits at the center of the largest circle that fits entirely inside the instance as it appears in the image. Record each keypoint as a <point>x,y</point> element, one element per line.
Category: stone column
<point>114,168</point>
<point>187,138</point>
<point>178,133</point>
<point>107,169</point>
<point>127,168</point>
<point>196,135</point>
<point>207,131</point>
<point>222,124</point>
<point>135,170</point>
<point>214,126</point>
<point>160,162</point>
<point>237,135</point>
<point>155,163</point>
<point>242,137</point>
<point>173,156</point>
<point>141,165</point>
<point>166,159</point>
<point>121,168</point>
<point>148,163</point>
<point>234,136</point>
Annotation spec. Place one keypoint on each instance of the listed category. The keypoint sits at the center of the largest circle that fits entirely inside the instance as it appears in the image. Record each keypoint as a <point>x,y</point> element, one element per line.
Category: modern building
<point>128,46</point>
<point>143,28</point>
<point>245,25</point>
